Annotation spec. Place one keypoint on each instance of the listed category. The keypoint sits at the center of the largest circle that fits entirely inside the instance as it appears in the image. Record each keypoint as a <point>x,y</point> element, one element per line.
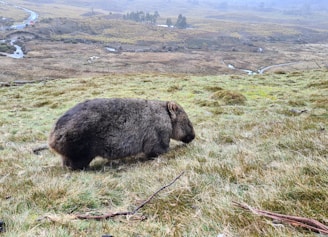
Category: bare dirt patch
<point>47,59</point>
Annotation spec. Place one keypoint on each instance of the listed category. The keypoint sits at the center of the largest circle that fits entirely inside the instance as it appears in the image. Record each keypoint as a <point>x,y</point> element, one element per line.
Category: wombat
<point>116,128</point>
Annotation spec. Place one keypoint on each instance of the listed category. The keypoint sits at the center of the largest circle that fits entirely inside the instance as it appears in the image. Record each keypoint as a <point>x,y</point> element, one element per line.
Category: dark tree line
<point>140,16</point>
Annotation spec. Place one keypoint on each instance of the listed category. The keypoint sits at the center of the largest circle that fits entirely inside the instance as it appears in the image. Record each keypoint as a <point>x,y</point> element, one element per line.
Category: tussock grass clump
<point>322,103</point>
<point>279,72</point>
<point>252,152</point>
<point>321,84</point>
<point>297,103</point>
<point>229,97</point>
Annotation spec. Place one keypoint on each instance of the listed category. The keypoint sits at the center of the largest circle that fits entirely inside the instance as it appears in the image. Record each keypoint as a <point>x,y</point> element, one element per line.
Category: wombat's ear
<point>173,108</point>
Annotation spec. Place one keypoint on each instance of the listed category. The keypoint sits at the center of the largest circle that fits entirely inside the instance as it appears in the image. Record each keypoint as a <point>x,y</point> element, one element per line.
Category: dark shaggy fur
<point>116,128</point>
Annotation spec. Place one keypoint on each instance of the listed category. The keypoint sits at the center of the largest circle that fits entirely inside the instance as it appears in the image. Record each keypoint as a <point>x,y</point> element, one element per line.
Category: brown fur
<point>116,128</point>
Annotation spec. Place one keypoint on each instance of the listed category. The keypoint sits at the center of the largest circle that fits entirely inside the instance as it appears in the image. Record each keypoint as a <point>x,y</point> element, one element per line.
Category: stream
<point>259,71</point>
<point>18,52</point>
<point>28,22</point>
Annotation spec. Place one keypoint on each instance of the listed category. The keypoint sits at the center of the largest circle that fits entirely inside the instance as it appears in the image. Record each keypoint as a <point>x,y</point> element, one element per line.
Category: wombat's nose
<point>188,138</point>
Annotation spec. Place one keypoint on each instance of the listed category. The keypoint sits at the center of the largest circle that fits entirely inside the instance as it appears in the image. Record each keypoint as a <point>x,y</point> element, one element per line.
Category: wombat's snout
<point>188,138</point>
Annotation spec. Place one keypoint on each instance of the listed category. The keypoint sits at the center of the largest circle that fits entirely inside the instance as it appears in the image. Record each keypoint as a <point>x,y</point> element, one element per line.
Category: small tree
<point>156,14</point>
<point>140,16</point>
<point>169,22</point>
<point>181,22</point>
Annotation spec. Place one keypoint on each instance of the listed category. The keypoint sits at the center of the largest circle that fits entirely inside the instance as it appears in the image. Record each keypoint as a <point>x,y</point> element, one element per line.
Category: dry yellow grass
<point>263,152</point>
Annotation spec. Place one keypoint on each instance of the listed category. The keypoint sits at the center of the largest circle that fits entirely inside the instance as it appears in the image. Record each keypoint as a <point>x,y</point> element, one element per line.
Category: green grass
<point>253,150</point>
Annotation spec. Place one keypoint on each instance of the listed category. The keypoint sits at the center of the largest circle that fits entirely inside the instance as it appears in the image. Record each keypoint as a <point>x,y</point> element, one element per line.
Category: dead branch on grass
<point>296,221</point>
<point>126,213</point>
<point>37,150</point>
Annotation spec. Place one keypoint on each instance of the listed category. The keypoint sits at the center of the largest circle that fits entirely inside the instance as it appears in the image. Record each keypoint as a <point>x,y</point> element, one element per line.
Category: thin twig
<point>37,150</point>
<point>125,213</point>
<point>310,224</point>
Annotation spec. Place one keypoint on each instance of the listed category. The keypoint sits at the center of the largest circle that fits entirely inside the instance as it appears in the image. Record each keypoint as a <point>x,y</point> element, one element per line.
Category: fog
<point>187,5</point>
<point>281,4</point>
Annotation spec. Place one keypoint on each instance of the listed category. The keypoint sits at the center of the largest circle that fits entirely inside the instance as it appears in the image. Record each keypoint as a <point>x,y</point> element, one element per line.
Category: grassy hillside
<point>261,139</point>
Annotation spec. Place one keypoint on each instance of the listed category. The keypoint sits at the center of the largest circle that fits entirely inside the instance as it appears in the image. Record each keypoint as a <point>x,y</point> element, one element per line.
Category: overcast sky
<point>270,3</point>
<point>171,5</point>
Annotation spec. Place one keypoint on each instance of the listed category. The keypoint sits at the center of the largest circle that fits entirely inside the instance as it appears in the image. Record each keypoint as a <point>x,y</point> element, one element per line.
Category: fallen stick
<point>310,224</point>
<point>125,213</point>
<point>37,150</point>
